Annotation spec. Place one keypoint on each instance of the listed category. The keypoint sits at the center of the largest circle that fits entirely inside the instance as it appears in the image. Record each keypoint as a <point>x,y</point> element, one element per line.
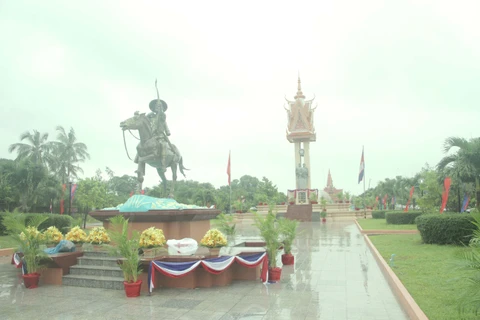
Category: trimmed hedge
<point>446,228</point>
<point>400,217</point>
<point>378,214</point>
<point>62,222</point>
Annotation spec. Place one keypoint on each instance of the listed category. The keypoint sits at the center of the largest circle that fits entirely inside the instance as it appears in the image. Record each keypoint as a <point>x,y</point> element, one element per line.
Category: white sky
<point>397,77</point>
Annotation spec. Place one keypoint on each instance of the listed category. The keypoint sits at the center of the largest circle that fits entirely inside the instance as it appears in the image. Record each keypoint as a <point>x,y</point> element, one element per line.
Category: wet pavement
<point>334,277</point>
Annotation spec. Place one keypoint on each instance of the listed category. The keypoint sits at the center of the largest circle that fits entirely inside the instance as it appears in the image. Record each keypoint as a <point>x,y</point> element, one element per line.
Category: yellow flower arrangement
<point>33,233</point>
<point>98,235</point>
<point>53,235</point>
<point>152,237</point>
<point>213,239</point>
<point>76,235</point>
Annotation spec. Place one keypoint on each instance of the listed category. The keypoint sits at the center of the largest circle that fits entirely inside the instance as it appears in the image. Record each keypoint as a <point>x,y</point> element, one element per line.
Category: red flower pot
<point>30,280</point>
<point>292,203</point>
<point>132,289</point>
<point>283,203</point>
<point>324,219</point>
<point>288,259</point>
<point>314,202</point>
<point>274,274</point>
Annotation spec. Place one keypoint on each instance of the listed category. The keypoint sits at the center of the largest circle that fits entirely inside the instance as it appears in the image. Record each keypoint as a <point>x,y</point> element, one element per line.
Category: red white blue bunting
<point>214,266</point>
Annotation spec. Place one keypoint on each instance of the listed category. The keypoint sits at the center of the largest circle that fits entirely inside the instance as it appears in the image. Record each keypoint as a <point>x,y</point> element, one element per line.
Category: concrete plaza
<point>334,277</point>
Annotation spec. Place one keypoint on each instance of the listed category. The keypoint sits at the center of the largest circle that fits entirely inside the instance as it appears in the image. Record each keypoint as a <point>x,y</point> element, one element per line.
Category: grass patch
<point>428,272</point>
<point>381,224</point>
<point>7,242</point>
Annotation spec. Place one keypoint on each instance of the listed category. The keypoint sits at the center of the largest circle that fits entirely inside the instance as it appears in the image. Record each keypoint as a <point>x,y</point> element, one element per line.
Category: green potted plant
<point>226,224</point>
<point>323,213</point>
<point>29,242</point>
<point>270,232</point>
<point>288,232</point>
<point>340,197</point>
<point>313,198</point>
<point>291,200</point>
<point>347,197</point>
<point>127,249</point>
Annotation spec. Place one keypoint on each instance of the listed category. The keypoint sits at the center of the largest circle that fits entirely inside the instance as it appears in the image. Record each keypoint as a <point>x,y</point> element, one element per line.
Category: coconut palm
<point>466,160</point>
<point>37,149</point>
<point>69,153</point>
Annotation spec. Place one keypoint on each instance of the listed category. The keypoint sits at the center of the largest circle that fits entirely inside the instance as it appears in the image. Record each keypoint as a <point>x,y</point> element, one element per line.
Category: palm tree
<point>37,150</point>
<point>466,160</point>
<point>69,152</point>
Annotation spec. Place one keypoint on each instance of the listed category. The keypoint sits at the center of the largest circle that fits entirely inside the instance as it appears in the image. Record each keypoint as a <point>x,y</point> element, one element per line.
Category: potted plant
<point>127,249</point>
<point>313,198</point>
<point>270,232</point>
<point>238,205</point>
<point>77,235</point>
<point>226,224</point>
<point>53,236</point>
<point>340,197</point>
<point>323,213</point>
<point>97,237</point>
<point>288,231</point>
<point>29,241</point>
<point>214,240</point>
<point>150,240</point>
<point>347,197</point>
<point>291,200</point>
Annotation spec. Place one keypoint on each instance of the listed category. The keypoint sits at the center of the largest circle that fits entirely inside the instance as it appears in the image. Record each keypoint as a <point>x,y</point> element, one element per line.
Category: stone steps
<point>95,269</point>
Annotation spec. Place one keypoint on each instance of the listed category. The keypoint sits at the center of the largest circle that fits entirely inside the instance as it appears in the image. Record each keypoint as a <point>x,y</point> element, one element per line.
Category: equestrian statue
<point>154,148</point>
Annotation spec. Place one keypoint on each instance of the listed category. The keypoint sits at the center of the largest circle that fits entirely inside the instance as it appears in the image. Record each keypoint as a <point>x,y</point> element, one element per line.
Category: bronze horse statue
<point>150,151</point>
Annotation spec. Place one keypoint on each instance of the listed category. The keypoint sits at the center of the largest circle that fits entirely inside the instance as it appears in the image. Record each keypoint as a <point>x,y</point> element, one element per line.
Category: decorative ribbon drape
<point>214,266</point>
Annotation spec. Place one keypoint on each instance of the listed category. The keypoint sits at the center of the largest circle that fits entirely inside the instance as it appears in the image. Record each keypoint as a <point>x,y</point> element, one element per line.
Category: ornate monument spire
<point>299,89</point>
<point>329,180</point>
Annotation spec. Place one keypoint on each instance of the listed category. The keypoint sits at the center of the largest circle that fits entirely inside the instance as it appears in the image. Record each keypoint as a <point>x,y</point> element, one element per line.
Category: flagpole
<point>364,178</point>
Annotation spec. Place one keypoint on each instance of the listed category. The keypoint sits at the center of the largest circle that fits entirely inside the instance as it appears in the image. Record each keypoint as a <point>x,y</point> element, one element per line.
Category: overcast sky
<point>396,76</point>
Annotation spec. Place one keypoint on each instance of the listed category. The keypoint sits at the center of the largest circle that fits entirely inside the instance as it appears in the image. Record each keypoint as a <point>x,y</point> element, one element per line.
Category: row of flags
<point>446,189</point>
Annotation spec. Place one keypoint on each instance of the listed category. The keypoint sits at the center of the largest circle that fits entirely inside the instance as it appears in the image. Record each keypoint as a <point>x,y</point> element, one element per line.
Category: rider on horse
<point>160,130</point>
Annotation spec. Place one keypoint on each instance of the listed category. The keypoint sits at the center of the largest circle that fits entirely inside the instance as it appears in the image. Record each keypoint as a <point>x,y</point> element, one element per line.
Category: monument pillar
<point>298,161</point>
<point>306,147</point>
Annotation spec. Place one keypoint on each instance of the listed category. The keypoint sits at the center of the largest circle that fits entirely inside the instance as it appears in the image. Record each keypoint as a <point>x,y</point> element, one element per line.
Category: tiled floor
<point>334,277</point>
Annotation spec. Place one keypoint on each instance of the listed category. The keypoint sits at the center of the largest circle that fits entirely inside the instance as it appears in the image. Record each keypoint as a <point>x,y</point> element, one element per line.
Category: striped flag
<point>362,168</point>
<point>228,169</point>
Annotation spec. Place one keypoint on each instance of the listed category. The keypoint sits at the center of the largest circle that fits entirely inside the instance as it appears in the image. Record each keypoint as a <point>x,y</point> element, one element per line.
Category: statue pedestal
<point>176,223</point>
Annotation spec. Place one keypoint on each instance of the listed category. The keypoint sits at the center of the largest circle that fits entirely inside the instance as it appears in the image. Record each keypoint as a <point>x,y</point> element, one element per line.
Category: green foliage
<point>445,228</point>
<point>378,214</point>
<point>400,217</point>
<point>125,247</point>
<point>61,222</point>
<point>431,191</point>
<point>270,232</point>
<point>226,224</point>
<point>28,242</point>
<point>3,229</point>
<point>288,233</point>
<point>381,224</point>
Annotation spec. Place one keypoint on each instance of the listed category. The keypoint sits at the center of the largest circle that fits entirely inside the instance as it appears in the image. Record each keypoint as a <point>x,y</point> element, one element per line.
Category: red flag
<point>131,193</point>
<point>228,168</point>
<point>446,190</point>
<point>385,201</point>
<point>143,191</point>
<point>409,199</point>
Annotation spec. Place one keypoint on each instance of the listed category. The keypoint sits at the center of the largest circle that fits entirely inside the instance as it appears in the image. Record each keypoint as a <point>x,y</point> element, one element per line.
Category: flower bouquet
<point>213,240</point>
<point>52,235</point>
<point>77,236</point>
<point>151,239</point>
<point>97,237</point>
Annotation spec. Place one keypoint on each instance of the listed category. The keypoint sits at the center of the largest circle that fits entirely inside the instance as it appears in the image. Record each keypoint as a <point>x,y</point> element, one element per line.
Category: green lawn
<point>6,242</point>
<point>427,271</point>
<point>381,224</point>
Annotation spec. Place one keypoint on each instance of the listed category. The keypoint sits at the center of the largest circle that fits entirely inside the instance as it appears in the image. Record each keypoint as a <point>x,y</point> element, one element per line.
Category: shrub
<point>3,230</point>
<point>400,217</point>
<point>61,222</point>
<point>445,228</point>
<point>379,214</point>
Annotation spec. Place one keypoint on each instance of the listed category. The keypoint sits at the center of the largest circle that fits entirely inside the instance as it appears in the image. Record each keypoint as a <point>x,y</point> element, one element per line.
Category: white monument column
<point>297,162</point>
<point>306,147</point>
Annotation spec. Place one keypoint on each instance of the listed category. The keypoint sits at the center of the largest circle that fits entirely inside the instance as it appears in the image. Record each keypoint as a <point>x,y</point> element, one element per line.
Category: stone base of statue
<point>177,220</point>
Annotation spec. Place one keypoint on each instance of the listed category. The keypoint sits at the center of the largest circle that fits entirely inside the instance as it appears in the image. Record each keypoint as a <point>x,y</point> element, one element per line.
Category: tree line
<point>461,163</point>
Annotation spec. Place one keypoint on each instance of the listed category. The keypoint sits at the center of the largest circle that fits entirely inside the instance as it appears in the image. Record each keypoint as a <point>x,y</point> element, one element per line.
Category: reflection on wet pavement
<point>334,277</point>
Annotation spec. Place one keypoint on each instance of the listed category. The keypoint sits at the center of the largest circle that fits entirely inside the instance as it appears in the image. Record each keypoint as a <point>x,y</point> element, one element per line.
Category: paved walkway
<point>334,277</point>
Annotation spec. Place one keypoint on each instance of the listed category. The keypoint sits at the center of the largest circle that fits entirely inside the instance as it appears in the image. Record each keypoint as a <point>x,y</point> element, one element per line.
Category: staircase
<point>95,270</point>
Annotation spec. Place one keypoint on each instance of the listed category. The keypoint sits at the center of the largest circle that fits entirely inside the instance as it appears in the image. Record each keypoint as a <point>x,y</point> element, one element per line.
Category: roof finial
<point>299,89</point>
